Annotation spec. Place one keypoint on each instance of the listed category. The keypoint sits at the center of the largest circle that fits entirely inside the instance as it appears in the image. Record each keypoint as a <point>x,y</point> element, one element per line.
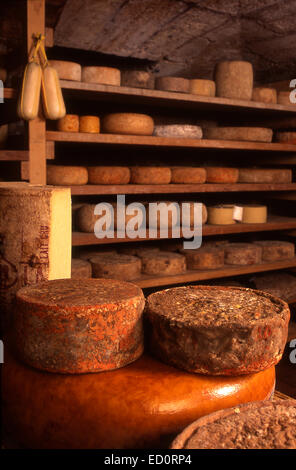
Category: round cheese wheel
<point>265,175</point>
<point>188,175</point>
<point>104,75</point>
<point>202,87</point>
<point>172,84</point>
<point>119,266</point>
<point>221,215</point>
<point>3,135</point>
<point>67,70</point>
<point>190,221</point>
<point>241,254</point>
<point>150,175</point>
<point>69,123</point>
<point>137,78</point>
<point>286,137</point>
<point>79,325</point>
<point>186,131</point>
<point>128,123</point>
<point>254,214</point>
<point>60,410</point>
<point>268,425</point>
<point>80,269</point>
<point>273,250</point>
<point>3,74</point>
<point>163,262</point>
<point>217,174</point>
<point>89,124</point>
<point>108,175</point>
<point>252,134</point>
<point>217,330</point>
<point>165,215</point>
<point>59,175</point>
<point>205,257</point>
<point>265,95</point>
<point>284,98</point>
<point>234,79</point>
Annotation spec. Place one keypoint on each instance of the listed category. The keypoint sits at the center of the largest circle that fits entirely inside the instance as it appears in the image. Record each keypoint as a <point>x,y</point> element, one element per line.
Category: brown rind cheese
<point>217,330</point>
<point>202,87</point>
<point>259,425</point>
<point>150,175</point>
<point>177,84</point>
<point>104,75</point>
<point>265,175</point>
<point>234,79</point>
<point>205,257</point>
<point>217,174</point>
<point>80,269</point>
<point>127,124</point>
<point>241,254</point>
<point>163,262</point>
<point>121,267</point>
<point>192,219</point>
<point>67,70</point>
<point>248,134</point>
<point>89,124</point>
<point>265,95</point>
<point>188,175</point>
<point>108,175</point>
<point>80,325</point>
<point>59,175</point>
<point>137,78</point>
<point>273,250</point>
<point>68,123</point>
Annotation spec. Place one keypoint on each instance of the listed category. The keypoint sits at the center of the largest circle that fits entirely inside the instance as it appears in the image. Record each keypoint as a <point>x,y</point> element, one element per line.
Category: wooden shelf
<point>9,93</point>
<point>145,97</point>
<point>193,276</point>
<point>90,189</point>
<point>274,223</point>
<point>14,155</point>
<point>152,141</point>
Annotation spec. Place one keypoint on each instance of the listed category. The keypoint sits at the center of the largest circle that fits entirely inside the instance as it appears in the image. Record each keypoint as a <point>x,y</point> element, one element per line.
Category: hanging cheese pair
<point>28,103</point>
<point>52,98</point>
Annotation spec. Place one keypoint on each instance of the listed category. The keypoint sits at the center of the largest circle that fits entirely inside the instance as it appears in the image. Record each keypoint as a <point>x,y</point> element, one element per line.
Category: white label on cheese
<point>238,213</point>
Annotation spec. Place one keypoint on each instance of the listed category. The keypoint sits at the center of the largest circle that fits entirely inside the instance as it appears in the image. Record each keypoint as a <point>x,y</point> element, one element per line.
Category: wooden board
<point>14,155</point>
<point>169,99</point>
<point>152,141</point>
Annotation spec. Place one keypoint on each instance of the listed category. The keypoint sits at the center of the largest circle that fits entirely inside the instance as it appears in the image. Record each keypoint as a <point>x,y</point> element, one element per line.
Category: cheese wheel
<point>164,215</point>
<point>234,79</point>
<point>216,330</point>
<point>188,175</point>
<point>286,137</point>
<point>90,253</point>
<point>60,175</point>
<point>264,175</point>
<point>202,87</point>
<point>268,425</point>
<point>163,262</point>
<point>205,257</point>
<point>177,84</point>
<point>186,131</point>
<point>273,250</point>
<point>265,95</point>
<point>75,326</point>
<point>221,215</point>
<point>252,134</point>
<point>108,404</point>
<point>150,175</point>
<point>80,269</point>
<point>90,124</point>
<point>190,221</point>
<point>284,98</point>
<point>104,75</point>
<point>119,267</point>
<point>108,175</point>
<point>280,284</point>
<point>35,227</point>
<point>3,74</point>
<point>127,123</point>
<point>69,123</point>
<point>3,135</point>
<point>241,254</point>
<point>67,70</point>
<point>254,214</point>
<point>137,78</point>
<point>221,175</point>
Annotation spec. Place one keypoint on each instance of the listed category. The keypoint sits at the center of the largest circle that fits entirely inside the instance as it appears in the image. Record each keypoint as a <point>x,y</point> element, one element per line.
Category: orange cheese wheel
<point>188,175</point>
<point>286,137</point>
<point>104,75</point>
<point>128,124</point>
<point>89,124</point>
<point>59,175</point>
<point>284,98</point>
<point>108,175</point>
<point>143,405</point>
<point>177,84</point>
<point>67,70</point>
<point>150,175</point>
<point>202,87</point>
<point>80,269</point>
<point>69,123</point>
<point>265,95</point>
<point>222,175</point>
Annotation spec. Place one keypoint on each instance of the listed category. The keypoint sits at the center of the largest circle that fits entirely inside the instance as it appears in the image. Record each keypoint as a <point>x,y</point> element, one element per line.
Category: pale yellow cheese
<point>221,215</point>
<point>104,75</point>
<point>202,87</point>
<point>67,70</point>
<point>254,214</point>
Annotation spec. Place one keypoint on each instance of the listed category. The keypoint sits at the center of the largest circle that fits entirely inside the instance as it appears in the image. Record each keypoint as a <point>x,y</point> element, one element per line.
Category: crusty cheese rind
<point>253,134</point>
<point>265,175</point>
<point>109,175</point>
<point>150,175</point>
<point>68,123</point>
<point>234,79</point>
<point>60,175</point>
<point>90,124</point>
<point>221,175</point>
<point>67,70</point>
<point>128,124</point>
<point>172,84</point>
<point>188,175</point>
<point>187,131</point>
<point>104,75</point>
<point>265,95</point>
<point>202,87</point>
<point>80,269</point>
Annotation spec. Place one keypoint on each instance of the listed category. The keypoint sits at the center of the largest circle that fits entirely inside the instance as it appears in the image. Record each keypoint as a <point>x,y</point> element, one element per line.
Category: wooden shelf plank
<point>151,141</point>
<point>14,155</point>
<point>226,271</point>
<point>169,99</point>
<point>274,223</point>
<point>90,189</point>
<point>9,93</point>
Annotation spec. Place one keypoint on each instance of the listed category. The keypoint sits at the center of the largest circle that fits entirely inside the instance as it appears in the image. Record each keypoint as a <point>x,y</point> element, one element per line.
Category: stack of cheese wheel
<point>127,124</point>
<point>101,75</point>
